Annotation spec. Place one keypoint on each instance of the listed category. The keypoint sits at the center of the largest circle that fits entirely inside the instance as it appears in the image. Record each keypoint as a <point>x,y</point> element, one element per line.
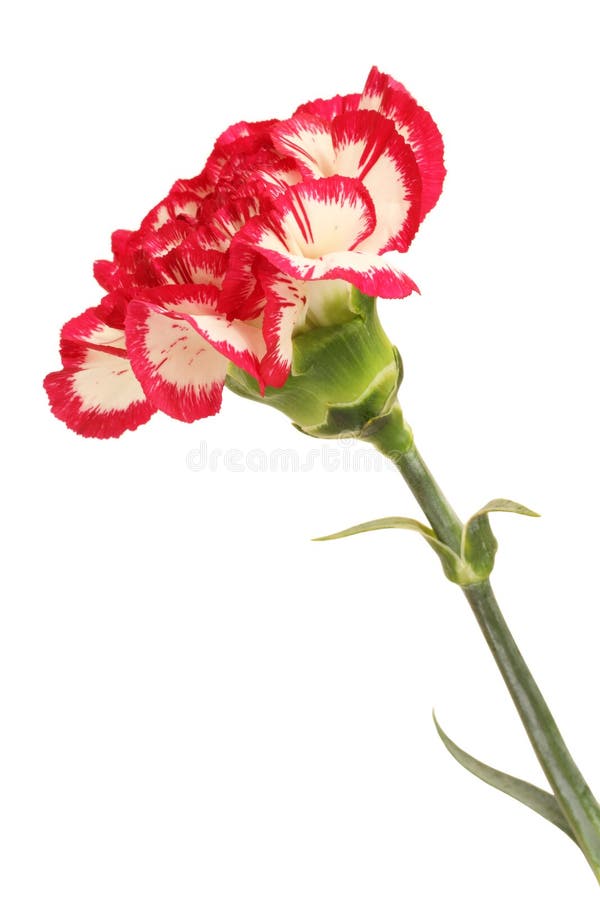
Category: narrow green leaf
<point>378,524</point>
<point>535,798</point>
<point>454,567</point>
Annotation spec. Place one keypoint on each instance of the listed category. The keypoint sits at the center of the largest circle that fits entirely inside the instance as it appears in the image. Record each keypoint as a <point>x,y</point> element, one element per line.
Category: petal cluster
<point>285,217</point>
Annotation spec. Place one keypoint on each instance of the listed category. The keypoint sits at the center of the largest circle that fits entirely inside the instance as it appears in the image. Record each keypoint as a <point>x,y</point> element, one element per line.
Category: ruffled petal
<point>303,224</point>
<point>368,147</point>
<point>310,235</point>
<point>180,345</point>
<point>96,394</point>
<point>415,124</point>
<point>366,271</point>
<point>307,138</point>
<point>188,264</point>
<point>240,342</point>
<point>329,109</point>
<point>283,310</point>
<point>242,296</point>
<point>137,256</point>
<point>179,205</point>
<point>107,274</point>
<point>238,141</point>
<point>119,242</point>
<point>315,218</point>
<point>224,224</point>
<point>361,144</point>
<point>113,308</point>
<point>199,185</point>
<point>180,372</point>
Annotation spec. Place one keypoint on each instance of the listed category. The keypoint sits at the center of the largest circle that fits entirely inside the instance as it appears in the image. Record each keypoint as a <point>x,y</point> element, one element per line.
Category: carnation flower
<point>261,274</point>
<point>266,243</point>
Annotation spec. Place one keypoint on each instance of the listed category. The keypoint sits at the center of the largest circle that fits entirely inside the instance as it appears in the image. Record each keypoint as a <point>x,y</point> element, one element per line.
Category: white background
<point>197,702</point>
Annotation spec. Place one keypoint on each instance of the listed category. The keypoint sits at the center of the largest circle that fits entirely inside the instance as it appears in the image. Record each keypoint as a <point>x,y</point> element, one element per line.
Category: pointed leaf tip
<point>502,505</point>
<point>529,795</point>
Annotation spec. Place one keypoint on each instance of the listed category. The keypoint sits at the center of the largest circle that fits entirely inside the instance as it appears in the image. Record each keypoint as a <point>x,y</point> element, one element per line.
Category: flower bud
<point>345,374</point>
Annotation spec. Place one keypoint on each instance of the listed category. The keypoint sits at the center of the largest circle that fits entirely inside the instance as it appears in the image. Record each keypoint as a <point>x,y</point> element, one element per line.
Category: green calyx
<point>345,375</point>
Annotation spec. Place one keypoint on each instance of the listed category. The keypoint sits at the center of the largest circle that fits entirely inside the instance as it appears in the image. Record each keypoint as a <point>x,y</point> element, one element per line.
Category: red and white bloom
<point>265,242</point>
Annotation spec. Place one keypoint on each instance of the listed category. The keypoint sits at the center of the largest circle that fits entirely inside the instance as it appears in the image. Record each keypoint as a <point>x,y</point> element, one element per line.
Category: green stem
<point>571,790</point>
<point>395,441</point>
<point>569,786</point>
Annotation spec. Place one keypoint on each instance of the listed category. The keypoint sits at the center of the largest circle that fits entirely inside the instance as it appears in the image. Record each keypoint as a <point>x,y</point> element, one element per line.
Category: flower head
<point>287,220</point>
